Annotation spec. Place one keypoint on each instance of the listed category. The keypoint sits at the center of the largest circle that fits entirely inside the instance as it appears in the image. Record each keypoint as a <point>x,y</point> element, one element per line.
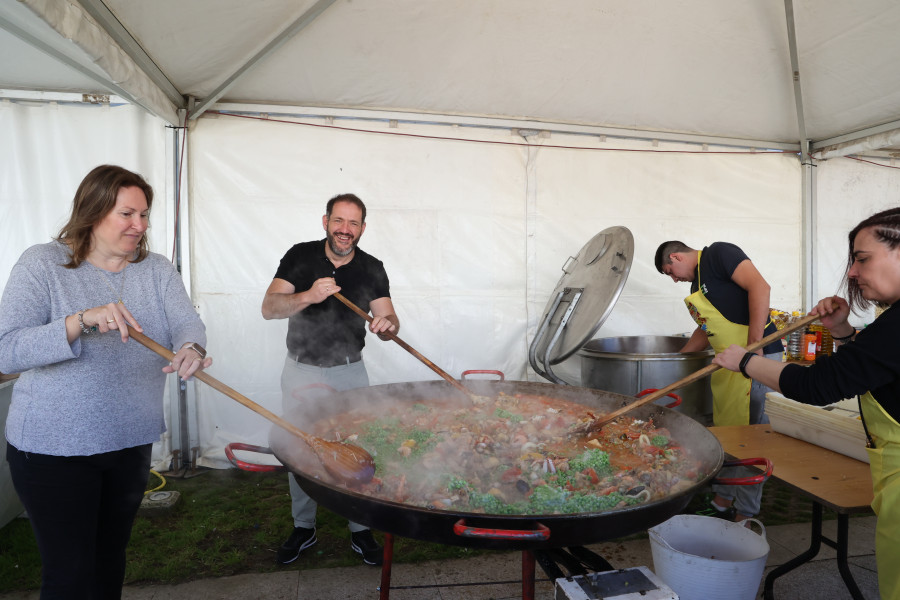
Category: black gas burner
<point>581,574</point>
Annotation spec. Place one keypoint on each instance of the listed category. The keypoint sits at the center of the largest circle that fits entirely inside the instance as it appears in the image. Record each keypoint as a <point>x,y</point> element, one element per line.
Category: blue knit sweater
<point>96,394</point>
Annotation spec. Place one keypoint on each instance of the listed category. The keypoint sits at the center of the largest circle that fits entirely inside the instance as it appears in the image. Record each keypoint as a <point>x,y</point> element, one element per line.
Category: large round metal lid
<point>599,272</point>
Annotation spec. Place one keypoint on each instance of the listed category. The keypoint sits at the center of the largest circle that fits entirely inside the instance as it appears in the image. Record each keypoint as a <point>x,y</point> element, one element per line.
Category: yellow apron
<point>730,390</point>
<point>884,462</point>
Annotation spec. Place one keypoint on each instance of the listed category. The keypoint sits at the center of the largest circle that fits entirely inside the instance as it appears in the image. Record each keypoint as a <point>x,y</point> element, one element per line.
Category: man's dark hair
<point>666,249</point>
<point>352,198</point>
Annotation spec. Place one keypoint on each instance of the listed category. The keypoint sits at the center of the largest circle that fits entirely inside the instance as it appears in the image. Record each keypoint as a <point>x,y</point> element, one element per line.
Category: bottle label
<point>810,347</point>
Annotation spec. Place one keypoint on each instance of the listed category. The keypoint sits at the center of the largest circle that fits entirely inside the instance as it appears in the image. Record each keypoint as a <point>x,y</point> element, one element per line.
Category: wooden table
<point>829,479</point>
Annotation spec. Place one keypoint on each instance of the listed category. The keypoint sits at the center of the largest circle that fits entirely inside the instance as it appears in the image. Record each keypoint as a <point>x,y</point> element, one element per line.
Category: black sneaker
<point>301,538</point>
<point>363,543</point>
<point>729,514</point>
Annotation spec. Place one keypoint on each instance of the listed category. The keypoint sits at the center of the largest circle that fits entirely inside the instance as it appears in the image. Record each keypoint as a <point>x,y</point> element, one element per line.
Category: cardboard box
<point>837,427</point>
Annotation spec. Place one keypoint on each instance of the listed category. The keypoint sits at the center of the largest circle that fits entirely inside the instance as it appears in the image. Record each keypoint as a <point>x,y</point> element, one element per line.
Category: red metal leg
<point>386,566</point>
<point>527,575</point>
<point>528,566</point>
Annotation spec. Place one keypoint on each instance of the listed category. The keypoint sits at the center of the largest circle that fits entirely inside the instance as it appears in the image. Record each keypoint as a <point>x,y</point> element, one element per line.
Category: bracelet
<point>744,361</point>
<point>84,328</point>
<point>846,338</point>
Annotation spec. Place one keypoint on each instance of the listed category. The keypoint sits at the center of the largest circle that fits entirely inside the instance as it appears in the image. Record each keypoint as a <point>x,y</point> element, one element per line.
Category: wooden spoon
<point>695,376</point>
<point>348,463</point>
<point>406,346</point>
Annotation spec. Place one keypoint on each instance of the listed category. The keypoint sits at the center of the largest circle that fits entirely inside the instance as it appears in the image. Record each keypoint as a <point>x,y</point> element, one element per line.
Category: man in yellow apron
<point>729,301</point>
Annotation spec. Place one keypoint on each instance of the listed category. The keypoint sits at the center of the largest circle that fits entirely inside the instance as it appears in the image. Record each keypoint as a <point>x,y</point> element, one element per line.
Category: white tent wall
<point>445,217</point>
<point>848,191</point>
<point>752,200</point>
<point>47,150</point>
<point>473,235</point>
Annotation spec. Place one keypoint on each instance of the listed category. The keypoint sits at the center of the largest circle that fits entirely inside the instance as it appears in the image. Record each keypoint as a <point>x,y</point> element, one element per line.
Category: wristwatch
<point>196,348</point>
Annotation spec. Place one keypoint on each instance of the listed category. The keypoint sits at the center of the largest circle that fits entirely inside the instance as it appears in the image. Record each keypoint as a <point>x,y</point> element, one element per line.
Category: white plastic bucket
<point>706,558</point>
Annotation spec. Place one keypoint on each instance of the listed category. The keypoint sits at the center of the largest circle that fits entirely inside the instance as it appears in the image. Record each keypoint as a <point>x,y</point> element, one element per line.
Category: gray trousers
<point>294,378</point>
<point>747,498</point>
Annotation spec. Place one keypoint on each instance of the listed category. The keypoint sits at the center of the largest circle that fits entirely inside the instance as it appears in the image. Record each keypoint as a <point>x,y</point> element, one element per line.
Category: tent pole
<point>808,186</point>
<point>795,69</point>
<point>114,28</point>
<point>115,67</point>
<point>810,255</point>
<point>185,444</point>
<point>184,438</point>
<point>552,127</point>
<point>290,31</point>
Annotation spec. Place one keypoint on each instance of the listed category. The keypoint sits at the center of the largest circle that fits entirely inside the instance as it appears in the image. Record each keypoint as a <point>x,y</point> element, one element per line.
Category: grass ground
<point>229,522</point>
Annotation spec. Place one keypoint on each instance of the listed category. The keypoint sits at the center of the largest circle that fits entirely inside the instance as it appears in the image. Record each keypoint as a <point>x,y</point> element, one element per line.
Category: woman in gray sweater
<point>87,406</point>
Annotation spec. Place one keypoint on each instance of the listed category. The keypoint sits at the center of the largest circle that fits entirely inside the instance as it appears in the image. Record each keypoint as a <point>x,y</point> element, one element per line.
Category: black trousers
<point>81,509</point>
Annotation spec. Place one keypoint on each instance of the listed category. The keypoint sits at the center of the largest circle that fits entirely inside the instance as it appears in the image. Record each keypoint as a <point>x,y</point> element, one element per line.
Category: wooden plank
<point>838,482</point>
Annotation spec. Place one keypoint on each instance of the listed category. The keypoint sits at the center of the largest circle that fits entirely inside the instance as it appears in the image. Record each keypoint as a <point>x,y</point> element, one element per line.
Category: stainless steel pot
<point>631,364</point>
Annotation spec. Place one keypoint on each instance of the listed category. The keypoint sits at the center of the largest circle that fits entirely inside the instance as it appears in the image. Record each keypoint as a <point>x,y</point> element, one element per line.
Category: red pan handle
<point>540,534</point>
<point>483,372</point>
<point>677,401</point>
<point>744,462</point>
<point>248,466</point>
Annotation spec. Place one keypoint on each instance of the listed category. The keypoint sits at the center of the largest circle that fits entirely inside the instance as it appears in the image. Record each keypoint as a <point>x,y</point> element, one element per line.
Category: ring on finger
<point>110,320</point>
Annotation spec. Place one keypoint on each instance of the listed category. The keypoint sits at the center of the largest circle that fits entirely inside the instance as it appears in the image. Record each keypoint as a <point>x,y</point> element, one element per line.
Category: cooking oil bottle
<point>824,343</point>
<point>794,349</point>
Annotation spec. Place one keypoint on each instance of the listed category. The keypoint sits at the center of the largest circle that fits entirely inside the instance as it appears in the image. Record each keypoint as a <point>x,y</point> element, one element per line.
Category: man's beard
<point>332,243</point>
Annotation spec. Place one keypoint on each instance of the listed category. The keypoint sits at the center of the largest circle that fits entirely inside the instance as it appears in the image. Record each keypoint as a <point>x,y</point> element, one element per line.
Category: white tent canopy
<point>694,67</point>
<point>490,140</point>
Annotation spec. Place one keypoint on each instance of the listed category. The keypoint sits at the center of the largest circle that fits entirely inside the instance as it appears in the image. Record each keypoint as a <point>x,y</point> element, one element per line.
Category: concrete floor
<point>470,579</point>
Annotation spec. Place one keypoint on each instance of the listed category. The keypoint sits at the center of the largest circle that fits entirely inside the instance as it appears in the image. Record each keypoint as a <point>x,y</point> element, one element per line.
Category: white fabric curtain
<point>473,236</point>
<point>47,150</point>
<point>849,190</point>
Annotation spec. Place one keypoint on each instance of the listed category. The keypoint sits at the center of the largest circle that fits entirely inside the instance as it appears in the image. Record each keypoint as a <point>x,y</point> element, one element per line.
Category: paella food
<point>512,454</point>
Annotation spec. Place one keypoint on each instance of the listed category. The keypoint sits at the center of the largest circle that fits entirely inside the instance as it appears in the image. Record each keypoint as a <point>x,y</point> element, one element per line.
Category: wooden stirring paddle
<point>695,376</point>
<point>348,463</point>
<point>406,346</point>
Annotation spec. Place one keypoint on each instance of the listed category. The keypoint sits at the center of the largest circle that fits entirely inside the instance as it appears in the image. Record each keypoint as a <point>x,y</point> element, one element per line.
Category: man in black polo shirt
<point>325,338</point>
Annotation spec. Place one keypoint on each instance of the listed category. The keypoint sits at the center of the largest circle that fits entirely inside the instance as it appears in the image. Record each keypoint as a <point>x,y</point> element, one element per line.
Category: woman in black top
<point>867,364</point>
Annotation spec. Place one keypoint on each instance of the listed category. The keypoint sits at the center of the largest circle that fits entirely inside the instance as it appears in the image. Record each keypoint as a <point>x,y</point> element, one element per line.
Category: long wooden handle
<point>218,385</point>
<point>405,346</point>
<point>700,374</point>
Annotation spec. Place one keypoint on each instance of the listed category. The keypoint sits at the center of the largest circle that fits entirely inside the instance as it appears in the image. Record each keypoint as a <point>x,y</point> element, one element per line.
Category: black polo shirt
<point>325,333</point>
<point>717,264</point>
